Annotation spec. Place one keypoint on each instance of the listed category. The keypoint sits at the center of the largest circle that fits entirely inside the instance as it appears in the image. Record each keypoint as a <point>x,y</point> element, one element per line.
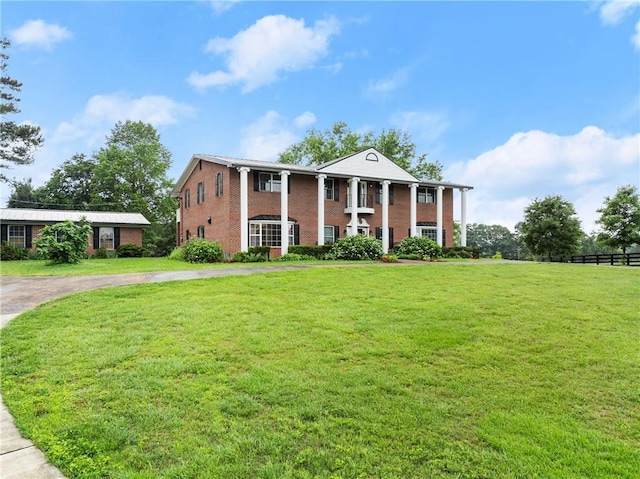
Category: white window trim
<point>271,183</point>
<point>431,232</point>
<point>113,238</point>
<point>19,241</point>
<point>277,237</point>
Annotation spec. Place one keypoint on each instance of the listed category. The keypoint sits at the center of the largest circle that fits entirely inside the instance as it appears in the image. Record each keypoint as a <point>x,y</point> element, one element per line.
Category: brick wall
<point>127,236</point>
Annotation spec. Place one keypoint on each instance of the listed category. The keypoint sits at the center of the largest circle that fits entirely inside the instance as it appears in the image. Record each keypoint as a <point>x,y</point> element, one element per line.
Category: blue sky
<point>519,99</point>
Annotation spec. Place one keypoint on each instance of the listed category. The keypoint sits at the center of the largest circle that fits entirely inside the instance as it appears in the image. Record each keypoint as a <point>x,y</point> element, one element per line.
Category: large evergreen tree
<point>620,219</point>
<point>550,227</point>
<point>18,142</point>
<point>323,146</point>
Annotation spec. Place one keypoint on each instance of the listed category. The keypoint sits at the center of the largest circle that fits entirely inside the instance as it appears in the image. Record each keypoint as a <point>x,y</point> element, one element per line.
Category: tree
<point>620,219</point>
<point>130,174</point>
<point>490,239</point>
<point>70,186</point>
<point>24,195</point>
<point>64,242</point>
<point>550,227</point>
<point>338,141</point>
<point>18,142</point>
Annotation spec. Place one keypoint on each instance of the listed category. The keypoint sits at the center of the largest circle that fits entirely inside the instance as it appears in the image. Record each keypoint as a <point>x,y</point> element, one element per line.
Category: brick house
<point>243,203</point>
<point>20,226</point>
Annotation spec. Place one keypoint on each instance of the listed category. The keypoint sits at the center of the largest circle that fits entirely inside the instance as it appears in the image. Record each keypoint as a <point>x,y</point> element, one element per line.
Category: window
<point>379,194</point>
<point>329,189</point>
<point>17,236</point>
<point>269,182</point>
<point>268,234</point>
<point>188,235</point>
<point>330,234</point>
<point>201,231</point>
<point>107,238</point>
<point>200,192</point>
<point>428,232</point>
<point>219,185</point>
<point>426,195</point>
<point>187,198</point>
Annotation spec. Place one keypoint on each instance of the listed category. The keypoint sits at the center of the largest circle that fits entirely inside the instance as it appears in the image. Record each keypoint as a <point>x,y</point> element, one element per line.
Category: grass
<point>443,371</point>
<point>108,266</point>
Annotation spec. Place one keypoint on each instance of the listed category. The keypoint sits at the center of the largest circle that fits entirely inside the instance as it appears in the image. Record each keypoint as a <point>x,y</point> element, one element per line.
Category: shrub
<point>415,257</point>
<point>64,242</point>
<point>460,252</point>
<point>318,252</point>
<point>130,251</point>
<point>198,250</point>
<point>356,247</point>
<point>177,254</point>
<point>425,247</point>
<point>497,255</point>
<point>263,250</point>
<point>389,258</point>
<point>101,253</point>
<point>10,252</point>
<point>256,258</point>
<point>297,257</point>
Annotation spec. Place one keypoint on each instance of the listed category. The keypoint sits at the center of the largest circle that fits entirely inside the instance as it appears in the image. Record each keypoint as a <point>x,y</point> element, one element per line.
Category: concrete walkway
<point>19,458</point>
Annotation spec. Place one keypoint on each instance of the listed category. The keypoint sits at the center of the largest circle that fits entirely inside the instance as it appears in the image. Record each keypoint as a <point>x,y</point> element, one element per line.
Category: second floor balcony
<point>365,205</point>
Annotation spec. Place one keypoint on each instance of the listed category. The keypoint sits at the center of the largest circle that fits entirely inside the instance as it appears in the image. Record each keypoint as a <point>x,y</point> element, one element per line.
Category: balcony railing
<point>364,201</point>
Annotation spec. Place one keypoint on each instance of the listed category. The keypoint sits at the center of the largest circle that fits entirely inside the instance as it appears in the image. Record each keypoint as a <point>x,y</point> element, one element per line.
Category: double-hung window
<point>200,192</point>
<point>426,195</point>
<point>187,198</point>
<point>330,234</point>
<point>201,231</point>
<point>17,236</point>
<point>269,182</point>
<point>379,194</point>
<point>329,189</point>
<point>428,232</point>
<point>107,238</point>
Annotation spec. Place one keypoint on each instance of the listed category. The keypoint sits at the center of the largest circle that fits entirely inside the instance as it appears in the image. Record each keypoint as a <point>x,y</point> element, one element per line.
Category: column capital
<point>355,178</point>
<point>464,189</point>
<point>244,168</point>
<point>385,182</point>
<point>285,173</point>
<point>413,185</point>
<point>321,176</point>
<point>441,187</point>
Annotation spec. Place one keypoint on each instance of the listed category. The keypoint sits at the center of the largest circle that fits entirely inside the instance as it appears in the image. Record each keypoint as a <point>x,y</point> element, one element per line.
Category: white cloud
<point>103,111</point>
<point>219,7</point>
<point>421,125</point>
<point>612,12</point>
<point>258,55</point>
<point>385,85</point>
<point>271,134</point>
<point>583,168</point>
<point>37,33</point>
<point>635,39</point>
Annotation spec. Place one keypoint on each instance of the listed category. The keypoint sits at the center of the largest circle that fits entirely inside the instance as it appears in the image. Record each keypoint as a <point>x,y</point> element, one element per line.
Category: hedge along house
<point>21,226</point>
<point>243,203</point>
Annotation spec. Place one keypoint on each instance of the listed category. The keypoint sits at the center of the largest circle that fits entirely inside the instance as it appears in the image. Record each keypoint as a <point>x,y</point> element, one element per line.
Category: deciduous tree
<point>550,227</point>
<point>490,239</point>
<point>320,147</point>
<point>620,219</point>
<point>18,142</point>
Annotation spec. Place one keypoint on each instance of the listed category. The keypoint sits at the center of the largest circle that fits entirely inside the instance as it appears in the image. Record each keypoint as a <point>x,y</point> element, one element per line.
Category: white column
<point>284,212</point>
<point>463,216</point>
<point>385,216</point>
<point>354,206</point>
<point>439,215</point>
<point>244,209</point>
<point>413,209</point>
<point>321,179</point>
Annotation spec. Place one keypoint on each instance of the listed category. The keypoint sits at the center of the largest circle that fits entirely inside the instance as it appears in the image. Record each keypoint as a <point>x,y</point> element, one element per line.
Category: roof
<point>341,167</point>
<point>24,215</point>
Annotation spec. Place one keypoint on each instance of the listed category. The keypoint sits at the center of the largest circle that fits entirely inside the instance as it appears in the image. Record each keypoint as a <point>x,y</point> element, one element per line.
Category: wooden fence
<point>628,259</point>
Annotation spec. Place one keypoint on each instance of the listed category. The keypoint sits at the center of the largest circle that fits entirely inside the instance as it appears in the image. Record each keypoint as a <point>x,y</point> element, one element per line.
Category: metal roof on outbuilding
<point>24,215</point>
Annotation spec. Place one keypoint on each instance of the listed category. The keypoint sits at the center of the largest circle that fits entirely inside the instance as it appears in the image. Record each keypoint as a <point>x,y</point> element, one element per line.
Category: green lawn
<point>107,266</point>
<point>443,371</point>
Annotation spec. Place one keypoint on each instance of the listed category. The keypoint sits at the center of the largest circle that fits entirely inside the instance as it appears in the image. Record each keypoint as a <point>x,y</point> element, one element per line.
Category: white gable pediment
<point>370,164</point>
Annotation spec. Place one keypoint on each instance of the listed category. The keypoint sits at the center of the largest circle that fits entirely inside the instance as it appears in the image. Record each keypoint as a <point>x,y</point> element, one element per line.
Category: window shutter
<point>221,182</point>
<point>5,234</point>
<point>378,233</point>
<point>409,233</point>
<point>96,237</point>
<point>391,237</point>
<point>336,189</point>
<point>336,232</point>
<point>444,237</point>
<point>289,187</point>
<point>296,234</point>
<point>390,194</point>
<point>116,238</point>
<point>256,181</point>
<point>28,236</point>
